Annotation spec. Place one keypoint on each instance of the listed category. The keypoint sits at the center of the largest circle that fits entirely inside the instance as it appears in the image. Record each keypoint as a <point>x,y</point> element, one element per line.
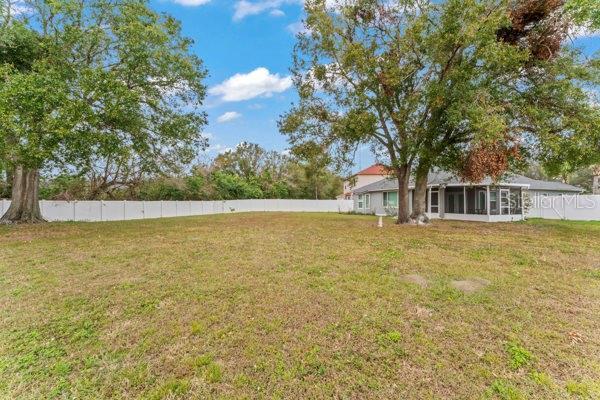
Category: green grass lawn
<point>299,306</point>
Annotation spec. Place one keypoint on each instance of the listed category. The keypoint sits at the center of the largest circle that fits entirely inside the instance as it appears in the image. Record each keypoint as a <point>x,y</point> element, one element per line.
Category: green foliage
<point>87,84</point>
<point>173,388</point>
<point>390,337</point>
<point>203,361</point>
<point>542,378</point>
<point>230,187</point>
<point>214,374</point>
<point>519,356</point>
<point>64,187</point>
<point>578,389</point>
<point>585,13</point>
<point>163,189</point>
<point>504,390</point>
<point>198,328</point>
<point>427,82</point>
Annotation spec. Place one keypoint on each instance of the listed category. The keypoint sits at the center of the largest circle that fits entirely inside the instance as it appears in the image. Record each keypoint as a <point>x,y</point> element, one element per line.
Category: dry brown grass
<point>299,306</point>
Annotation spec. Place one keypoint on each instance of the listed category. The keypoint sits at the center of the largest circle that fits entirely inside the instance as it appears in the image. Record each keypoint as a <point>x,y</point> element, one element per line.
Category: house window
<point>364,201</point>
<point>493,200</point>
<point>504,201</point>
<point>390,199</point>
<point>481,200</point>
<point>435,201</point>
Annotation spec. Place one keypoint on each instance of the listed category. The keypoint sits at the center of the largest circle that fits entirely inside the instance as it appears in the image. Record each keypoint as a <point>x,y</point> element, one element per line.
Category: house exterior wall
<point>375,206</point>
<point>359,181</point>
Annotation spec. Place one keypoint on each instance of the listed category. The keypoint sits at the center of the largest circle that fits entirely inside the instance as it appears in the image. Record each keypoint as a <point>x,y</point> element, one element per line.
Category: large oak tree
<point>88,80</point>
<point>430,84</point>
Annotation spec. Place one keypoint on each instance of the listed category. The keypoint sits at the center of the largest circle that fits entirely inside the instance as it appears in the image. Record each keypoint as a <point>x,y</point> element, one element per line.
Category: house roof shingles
<point>444,178</point>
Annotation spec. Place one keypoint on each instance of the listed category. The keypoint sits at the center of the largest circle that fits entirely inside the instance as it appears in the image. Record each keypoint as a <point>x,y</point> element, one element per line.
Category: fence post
<point>161,208</point>
<point>74,201</point>
<point>101,211</point>
<point>124,212</point>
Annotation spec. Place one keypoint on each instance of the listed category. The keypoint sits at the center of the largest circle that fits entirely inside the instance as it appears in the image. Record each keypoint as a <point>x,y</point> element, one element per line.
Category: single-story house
<point>450,198</point>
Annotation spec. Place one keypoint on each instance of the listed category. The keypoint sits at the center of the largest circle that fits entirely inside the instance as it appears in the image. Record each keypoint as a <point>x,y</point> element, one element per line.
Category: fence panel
<point>133,210</point>
<point>169,208</point>
<point>129,210</point>
<point>195,208</point>
<point>87,211</point>
<point>152,209</point>
<point>113,211</point>
<point>58,210</point>
<point>569,207</point>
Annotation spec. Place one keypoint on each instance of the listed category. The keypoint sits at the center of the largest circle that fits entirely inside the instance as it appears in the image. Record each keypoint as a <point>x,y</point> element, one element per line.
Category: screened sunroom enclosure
<point>471,203</point>
<point>476,203</point>
<point>449,197</point>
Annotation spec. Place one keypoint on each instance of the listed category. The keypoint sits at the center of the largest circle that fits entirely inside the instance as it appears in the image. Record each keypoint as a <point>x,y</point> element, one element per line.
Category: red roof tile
<point>375,169</point>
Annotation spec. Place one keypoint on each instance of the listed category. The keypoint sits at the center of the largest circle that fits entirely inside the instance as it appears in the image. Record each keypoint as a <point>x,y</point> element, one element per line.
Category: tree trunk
<point>403,176</point>
<point>419,215</point>
<point>25,205</point>
<point>596,179</point>
<point>9,179</point>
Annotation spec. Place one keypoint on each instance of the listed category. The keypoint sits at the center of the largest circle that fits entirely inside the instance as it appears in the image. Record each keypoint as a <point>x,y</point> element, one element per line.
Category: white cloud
<point>298,27</point>
<point>190,3</point>
<point>584,32</point>
<point>259,82</point>
<point>244,8</point>
<point>229,116</point>
<point>276,13</point>
<point>208,135</point>
<point>218,148</point>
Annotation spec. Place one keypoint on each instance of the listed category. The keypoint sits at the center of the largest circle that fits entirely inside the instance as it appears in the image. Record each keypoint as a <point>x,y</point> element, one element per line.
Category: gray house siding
<point>375,206</point>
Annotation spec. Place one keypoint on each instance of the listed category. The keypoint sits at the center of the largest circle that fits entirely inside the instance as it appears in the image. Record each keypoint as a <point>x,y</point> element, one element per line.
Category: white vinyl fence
<point>572,207</point>
<point>98,210</point>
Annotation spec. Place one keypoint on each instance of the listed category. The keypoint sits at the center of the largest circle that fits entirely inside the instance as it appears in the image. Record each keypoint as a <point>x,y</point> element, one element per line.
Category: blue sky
<point>246,46</point>
<point>247,49</point>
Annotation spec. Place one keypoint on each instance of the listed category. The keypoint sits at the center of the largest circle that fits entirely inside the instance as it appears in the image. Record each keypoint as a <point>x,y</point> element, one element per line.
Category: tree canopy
<point>94,82</point>
<point>440,84</point>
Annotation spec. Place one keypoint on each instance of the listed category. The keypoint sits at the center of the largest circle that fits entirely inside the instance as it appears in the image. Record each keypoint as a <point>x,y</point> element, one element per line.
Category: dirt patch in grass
<point>416,279</point>
<point>470,285</point>
<point>298,305</point>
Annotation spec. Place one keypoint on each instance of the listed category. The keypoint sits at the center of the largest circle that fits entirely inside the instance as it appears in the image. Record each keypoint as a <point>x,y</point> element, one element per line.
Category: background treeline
<point>246,172</point>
